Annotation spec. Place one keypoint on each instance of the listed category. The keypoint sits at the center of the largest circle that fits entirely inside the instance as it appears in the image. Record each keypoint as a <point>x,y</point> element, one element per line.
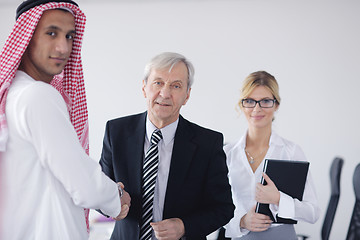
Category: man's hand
<point>169,229</point>
<point>268,193</point>
<point>125,203</point>
<point>255,222</point>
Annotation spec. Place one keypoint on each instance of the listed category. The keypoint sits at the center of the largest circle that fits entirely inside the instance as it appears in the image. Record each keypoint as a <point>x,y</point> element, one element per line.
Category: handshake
<point>125,202</point>
<point>172,228</point>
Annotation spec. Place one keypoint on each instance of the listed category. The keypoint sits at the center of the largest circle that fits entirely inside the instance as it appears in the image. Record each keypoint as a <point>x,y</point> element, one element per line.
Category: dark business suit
<point>197,192</point>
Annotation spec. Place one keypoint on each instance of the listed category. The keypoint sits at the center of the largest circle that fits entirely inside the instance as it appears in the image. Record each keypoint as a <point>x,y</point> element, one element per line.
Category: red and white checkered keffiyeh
<point>70,83</point>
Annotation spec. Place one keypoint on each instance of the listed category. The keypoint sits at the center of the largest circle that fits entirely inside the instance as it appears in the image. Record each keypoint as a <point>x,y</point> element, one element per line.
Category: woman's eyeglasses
<point>264,103</point>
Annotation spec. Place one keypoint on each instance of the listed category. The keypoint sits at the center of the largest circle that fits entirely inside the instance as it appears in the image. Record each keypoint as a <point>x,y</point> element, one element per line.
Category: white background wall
<point>311,47</point>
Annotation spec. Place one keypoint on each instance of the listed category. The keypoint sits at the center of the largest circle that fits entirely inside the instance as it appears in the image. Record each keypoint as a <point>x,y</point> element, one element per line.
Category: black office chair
<point>354,228</point>
<point>335,173</point>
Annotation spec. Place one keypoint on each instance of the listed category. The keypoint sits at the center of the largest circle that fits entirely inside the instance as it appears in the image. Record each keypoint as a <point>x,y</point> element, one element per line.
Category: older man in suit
<point>174,170</point>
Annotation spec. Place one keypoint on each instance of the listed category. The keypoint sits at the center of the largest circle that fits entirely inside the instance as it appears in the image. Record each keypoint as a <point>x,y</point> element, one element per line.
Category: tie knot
<point>156,137</point>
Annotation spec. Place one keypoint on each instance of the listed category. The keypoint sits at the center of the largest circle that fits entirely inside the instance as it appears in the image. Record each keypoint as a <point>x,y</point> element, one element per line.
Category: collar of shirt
<point>275,139</point>
<point>167,132</point>
<point>238,147</point>
<point>22,75</point>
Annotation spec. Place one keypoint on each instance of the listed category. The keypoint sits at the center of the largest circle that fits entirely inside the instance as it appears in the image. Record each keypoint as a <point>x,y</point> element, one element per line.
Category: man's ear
<point>143,88</point>
<point>188,96</point>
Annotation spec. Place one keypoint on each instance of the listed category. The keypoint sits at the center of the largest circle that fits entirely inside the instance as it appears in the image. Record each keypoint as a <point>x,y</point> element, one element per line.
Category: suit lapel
<point>182,155</point>
<point>136,150</point>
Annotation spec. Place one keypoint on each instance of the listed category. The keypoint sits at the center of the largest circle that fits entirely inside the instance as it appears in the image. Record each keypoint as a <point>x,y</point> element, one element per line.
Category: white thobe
<point>47,179</point>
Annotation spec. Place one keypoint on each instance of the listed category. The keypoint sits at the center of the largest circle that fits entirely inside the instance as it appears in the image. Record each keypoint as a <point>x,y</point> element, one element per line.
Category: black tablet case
<point>289,177</point>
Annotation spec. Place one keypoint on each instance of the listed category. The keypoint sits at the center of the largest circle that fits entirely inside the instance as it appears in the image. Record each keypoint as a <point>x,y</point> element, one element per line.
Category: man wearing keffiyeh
<point>46,176</point>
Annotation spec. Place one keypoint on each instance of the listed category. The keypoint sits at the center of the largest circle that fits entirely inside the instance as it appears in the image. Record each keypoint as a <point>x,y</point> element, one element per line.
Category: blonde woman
<point>259,101</point>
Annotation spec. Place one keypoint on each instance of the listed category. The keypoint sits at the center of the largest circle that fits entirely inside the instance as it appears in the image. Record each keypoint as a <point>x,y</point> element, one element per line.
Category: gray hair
<point>168,60</point>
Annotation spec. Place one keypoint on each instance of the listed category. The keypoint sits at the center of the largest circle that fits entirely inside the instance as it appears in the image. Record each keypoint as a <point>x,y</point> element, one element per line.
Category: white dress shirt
<point>165,147</point>
<point>46,177</point>
<point>243,182</point>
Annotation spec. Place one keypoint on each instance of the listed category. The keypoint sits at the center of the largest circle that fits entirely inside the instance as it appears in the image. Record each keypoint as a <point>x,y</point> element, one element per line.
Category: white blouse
<point>46,177</point>
<point>243,183</point>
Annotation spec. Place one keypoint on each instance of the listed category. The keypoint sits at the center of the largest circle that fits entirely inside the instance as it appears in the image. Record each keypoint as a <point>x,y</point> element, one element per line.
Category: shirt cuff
<point>233,229</point>
<point>286,207</point>
<point>113,208</point>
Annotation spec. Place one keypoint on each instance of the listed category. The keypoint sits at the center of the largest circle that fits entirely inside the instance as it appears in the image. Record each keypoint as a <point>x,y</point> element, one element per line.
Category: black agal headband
<point>28,4</point>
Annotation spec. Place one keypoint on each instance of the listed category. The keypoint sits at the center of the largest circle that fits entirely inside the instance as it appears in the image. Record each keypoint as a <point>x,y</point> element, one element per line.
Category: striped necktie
<point>148,184</point>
